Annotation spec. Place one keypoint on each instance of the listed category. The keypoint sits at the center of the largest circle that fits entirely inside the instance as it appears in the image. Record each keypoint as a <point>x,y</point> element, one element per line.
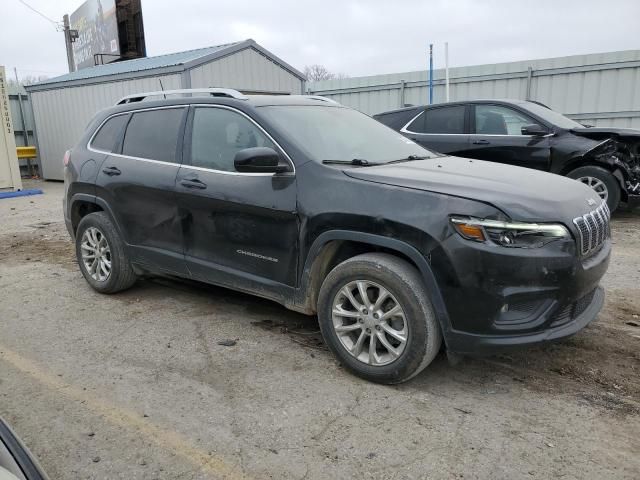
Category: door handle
<point>481,142</point>
<point>111,171</point>
<point>193,183</point>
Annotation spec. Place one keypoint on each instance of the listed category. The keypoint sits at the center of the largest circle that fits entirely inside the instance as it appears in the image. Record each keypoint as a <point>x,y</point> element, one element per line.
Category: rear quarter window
<point>447,120</point>
<point>109,134</point>
<point>396,120</point>
<point>153,134</point>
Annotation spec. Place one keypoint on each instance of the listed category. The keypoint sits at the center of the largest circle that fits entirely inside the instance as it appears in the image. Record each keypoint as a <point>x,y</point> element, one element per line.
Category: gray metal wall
<point>17,93</point>
<point>597,89</point>
<point>246,70</point>
<point>16,116</point>
<point>62,114</point>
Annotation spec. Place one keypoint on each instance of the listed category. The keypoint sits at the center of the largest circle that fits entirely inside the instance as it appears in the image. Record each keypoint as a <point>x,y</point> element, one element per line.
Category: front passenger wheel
<point>101,254</point>
<point>376,317</point>
<point>601,181</point>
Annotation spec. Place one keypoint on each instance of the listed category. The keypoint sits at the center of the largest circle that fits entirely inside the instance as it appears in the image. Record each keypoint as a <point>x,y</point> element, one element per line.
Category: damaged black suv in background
<point>529,134</point>
<point>321,208</point>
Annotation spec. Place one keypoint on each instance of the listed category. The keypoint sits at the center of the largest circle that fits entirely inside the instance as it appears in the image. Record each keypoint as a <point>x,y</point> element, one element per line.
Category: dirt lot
<point>136,385</point>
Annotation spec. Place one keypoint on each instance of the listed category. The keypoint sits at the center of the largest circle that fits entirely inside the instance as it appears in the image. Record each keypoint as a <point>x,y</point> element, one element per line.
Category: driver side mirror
<point>258,160</point>
<point>534,130</point>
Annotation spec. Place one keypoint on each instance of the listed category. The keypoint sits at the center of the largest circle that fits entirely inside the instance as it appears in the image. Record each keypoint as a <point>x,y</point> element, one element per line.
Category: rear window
<point>153,134</point>
<point>109,134</point>
<point>440,120</point>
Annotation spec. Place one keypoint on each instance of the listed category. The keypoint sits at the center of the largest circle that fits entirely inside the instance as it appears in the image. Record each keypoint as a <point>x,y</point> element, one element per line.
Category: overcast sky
<point>351,37</point>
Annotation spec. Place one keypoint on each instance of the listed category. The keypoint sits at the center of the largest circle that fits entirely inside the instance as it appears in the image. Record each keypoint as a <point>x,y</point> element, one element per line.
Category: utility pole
<point>446,70</point>
<point>69,38</point>
<point>430,73</point>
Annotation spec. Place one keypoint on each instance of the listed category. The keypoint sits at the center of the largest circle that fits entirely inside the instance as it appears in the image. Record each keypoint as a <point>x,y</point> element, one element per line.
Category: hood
<point>522,193</point>
<point>600,133</point>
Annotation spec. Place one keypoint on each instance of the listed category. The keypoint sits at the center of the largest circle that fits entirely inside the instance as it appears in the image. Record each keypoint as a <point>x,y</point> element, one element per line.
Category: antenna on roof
<point>161,87</point>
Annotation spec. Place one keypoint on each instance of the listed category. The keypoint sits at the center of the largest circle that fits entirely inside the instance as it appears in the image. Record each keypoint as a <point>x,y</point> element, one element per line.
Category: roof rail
<point>214,92</point>
<point>322,99</point>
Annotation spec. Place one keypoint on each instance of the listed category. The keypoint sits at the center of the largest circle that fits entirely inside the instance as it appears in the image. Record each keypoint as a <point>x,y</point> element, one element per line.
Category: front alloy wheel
<point>601,181</point>
<point>96,254</point>
<point>597,185</point>
<point>369,322</point>
<point>376,317</point>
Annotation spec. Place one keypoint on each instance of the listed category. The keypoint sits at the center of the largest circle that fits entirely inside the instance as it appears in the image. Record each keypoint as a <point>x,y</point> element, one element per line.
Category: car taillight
<point>67,157</point>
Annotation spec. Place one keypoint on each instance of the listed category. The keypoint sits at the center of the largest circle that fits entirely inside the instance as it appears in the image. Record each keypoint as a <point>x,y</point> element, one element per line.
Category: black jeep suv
<point>327,211</point>
<point>529,134</point>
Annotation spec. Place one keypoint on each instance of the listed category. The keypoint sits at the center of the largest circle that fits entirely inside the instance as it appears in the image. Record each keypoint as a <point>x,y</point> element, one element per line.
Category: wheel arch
<point>81,206</point>
<point>84,204</point>
<point>335,246</point>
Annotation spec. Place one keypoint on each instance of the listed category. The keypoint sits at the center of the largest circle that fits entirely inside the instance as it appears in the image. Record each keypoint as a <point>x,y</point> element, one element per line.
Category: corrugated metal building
<point>23,125</point>
<point>597,89</point>
<point>63,106</point>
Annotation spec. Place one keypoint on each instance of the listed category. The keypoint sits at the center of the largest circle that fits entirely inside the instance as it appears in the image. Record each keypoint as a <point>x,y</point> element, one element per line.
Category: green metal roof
<point>138,64</point>
<point>161,63</point>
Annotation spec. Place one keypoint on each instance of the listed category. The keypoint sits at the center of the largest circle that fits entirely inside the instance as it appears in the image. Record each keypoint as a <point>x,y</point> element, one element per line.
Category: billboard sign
<point>97,26</point>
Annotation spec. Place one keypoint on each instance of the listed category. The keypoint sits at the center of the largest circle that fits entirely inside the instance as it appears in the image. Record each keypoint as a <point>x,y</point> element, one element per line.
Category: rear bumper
<point>67,222</point>
<point>470,344</point>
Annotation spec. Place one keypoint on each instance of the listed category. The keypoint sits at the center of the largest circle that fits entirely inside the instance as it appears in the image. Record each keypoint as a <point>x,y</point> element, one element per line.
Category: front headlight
<point>509,234</point>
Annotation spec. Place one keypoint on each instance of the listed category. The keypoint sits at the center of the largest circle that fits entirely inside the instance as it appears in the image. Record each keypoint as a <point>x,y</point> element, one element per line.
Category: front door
<point>496,136</point>
<point>238,227</point>
<point>138,183</point>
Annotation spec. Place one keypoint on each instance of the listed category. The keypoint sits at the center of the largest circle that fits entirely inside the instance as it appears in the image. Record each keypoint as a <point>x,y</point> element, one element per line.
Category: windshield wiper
<point>360,162</point>
<point>410,158</point>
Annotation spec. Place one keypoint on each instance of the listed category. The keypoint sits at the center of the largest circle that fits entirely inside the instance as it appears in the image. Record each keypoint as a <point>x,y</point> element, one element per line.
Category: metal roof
<point>160,64</point>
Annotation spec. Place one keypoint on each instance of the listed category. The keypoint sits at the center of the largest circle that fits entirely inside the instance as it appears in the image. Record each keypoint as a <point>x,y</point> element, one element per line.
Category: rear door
<point>441,129</point>
<point>138,183</point>
<point>238,227</point>
<point>496,136</point>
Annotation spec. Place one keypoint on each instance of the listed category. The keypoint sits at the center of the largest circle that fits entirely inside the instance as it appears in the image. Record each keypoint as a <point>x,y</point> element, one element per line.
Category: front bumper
<point>633,201</point>
<point>500,297</point>
<point>471,344</point>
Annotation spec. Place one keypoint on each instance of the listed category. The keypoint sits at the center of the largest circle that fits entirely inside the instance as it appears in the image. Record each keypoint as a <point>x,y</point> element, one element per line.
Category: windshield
<point>336,133</point>
<point>552,117</point>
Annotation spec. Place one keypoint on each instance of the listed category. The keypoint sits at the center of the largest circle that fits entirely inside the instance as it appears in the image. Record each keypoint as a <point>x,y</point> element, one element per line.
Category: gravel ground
<point>137,386</point>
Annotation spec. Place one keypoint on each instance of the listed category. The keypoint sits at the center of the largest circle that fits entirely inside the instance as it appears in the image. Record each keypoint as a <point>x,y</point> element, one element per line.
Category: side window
<point>153,134</point>
<point>440,120</point>
<point>498,120</point>
<point>109,134</point>
<point>218,134</point>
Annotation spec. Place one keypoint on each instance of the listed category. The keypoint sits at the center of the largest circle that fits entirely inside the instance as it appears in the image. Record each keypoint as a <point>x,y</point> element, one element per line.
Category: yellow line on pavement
<point>167,439</point>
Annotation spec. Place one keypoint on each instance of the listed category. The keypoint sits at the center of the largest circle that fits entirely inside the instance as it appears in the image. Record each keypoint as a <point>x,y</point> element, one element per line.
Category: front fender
<point>433,290</point>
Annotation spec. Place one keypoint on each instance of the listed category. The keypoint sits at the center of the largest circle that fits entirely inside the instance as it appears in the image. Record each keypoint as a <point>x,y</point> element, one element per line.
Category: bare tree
<point>29,79</point>
<point>317,72</point>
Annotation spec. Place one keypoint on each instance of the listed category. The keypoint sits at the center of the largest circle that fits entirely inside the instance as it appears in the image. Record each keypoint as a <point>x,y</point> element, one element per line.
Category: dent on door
<point>245,224</point>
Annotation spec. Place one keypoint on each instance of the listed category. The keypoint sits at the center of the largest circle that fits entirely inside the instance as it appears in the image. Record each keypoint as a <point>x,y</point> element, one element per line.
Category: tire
<point>404,284</point>
<point>99,229</point>
<point>599,177</point>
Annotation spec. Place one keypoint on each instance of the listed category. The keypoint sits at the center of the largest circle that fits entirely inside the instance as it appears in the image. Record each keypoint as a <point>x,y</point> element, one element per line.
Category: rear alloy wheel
<point>96,254</point>
<point>601,181</point>
<point>377,319</point>
<point>101,254</point>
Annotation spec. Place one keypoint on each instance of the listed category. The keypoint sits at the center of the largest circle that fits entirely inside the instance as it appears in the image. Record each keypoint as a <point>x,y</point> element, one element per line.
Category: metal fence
<point>596,89</point>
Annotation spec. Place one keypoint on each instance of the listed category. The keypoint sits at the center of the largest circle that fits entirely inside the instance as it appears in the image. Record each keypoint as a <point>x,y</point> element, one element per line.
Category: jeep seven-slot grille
<point>593,228</point>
